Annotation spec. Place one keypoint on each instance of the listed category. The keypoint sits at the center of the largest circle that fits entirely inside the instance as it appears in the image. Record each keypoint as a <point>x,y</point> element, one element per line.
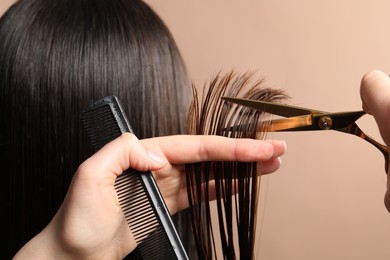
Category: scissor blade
<point>340,121</point>
<point>290,124</point>
<point>272,108</point>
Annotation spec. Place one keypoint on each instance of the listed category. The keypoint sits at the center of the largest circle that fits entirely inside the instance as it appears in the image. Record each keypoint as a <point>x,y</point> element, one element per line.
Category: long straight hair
<point>57,57</point>
<point>236,184</point>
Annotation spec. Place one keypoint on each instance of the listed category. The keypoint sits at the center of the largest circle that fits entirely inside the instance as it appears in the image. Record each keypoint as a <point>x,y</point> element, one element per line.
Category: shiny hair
<point>57,57</point>
<point>227,227</point>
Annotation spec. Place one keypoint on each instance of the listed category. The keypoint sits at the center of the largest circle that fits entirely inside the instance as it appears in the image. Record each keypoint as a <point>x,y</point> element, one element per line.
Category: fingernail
<point>156,157</point>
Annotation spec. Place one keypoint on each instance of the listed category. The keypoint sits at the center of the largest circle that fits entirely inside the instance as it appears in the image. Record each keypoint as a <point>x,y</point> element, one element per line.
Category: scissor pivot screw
<point>325,123</point>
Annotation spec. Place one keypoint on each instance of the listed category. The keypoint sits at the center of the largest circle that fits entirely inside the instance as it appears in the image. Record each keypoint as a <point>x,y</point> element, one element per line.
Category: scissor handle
<point>354,129</point>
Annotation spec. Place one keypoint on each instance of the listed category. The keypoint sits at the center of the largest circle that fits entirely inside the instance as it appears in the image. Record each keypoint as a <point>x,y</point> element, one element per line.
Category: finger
<point>269,166</point>
<point>279,147</point>
<point>212,194</point>
<point>265,167</point>
<point>387,199</point>
<point>121,154</point>
<point>375,94</point>
<point>182,149</point>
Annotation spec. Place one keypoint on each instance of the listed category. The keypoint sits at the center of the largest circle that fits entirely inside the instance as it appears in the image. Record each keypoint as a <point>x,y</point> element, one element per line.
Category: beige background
<point>327,200</point>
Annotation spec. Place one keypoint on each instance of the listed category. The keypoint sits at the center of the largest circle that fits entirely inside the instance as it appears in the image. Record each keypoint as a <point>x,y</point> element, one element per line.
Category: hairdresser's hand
<point>90,223</point>
<point>179,150</point>
<point>375,94</point>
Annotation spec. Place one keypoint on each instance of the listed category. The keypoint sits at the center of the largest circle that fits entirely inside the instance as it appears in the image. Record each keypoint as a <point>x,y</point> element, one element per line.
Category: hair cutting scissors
<point>303,119</point>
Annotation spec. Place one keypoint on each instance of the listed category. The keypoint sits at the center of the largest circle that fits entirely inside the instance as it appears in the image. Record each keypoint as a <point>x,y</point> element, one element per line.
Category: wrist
<point>40,246</point>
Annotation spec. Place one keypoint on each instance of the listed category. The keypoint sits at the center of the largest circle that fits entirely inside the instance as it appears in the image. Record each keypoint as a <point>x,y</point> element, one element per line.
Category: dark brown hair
<point>57,57</point>
<point>236,183</point>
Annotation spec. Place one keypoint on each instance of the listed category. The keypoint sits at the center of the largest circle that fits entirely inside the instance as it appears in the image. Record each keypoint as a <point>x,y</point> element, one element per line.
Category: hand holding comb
<point>139,197</point>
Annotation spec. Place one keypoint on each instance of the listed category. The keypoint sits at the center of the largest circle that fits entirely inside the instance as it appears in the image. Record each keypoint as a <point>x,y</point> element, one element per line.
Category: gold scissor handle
<point>355,130</point>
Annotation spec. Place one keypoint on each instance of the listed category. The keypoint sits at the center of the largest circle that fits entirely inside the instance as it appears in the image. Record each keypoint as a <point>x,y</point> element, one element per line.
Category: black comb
<point>140,199</point>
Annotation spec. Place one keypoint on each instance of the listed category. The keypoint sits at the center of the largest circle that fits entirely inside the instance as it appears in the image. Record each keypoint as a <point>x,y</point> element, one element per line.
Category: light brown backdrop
<point>326,202</point>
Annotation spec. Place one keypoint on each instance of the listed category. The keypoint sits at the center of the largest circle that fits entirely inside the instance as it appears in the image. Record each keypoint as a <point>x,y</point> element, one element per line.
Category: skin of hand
<point>375,95</point>
<point>90,223</point>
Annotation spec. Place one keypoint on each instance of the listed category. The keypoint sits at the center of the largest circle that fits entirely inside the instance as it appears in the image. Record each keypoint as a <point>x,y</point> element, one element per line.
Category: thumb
<point>375,95</point>
<point>123,153</point>
<point>375,92</point>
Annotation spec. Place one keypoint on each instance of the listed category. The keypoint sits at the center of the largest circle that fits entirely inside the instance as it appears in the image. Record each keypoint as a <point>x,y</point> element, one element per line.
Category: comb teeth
<point>138,195</point>
<point>136,206</point>
<point>141,217</point>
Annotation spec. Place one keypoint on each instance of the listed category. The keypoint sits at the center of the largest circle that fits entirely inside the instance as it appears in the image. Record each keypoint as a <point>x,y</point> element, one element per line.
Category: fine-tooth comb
<point>140,199</point>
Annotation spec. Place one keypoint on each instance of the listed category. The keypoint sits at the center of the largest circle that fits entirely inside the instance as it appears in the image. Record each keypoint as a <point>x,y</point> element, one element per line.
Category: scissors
<point>303,119</point>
